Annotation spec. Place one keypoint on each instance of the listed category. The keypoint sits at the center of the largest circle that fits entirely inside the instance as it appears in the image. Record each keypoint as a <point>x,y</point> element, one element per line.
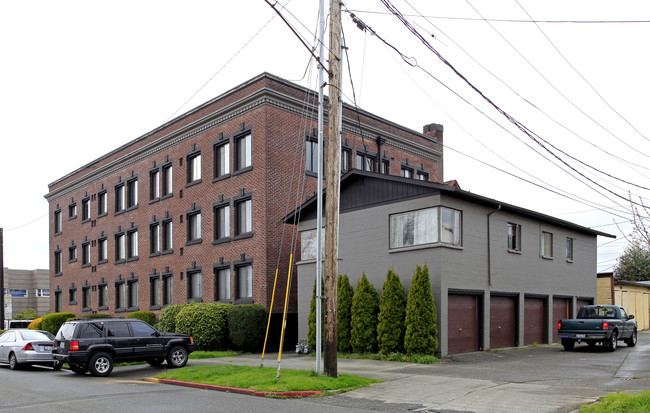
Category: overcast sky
<point>80,78</point>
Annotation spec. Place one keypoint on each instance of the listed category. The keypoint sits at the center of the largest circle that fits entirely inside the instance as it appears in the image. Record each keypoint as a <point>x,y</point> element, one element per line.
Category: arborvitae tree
<point>392,311</point>
<point>421,329</point>
<point>345,292</point>
<point>634,264</point>
<point>365,306</point>
<point>311,333</point>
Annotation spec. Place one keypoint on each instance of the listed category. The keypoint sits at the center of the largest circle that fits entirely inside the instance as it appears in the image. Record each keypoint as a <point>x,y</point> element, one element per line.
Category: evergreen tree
<point>365,306</point>
<point>311,320</point>
<point>392,311</point>
<point>344,309</point>
<point>634,264</point>
<point>421,330</point>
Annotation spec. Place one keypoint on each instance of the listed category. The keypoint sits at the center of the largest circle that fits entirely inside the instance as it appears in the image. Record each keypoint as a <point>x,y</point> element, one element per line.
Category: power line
<point>24,225</point>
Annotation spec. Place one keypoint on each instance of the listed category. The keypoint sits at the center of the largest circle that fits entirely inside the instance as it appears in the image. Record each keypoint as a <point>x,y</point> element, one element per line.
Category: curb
<point>293,394</point>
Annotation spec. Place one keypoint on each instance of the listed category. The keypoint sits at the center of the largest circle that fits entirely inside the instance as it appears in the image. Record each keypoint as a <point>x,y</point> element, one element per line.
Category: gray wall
<point>364,247</point>
<point>29,280</point>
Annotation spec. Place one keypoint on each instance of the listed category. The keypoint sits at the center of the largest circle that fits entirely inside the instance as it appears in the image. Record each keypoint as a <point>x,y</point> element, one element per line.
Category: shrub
<point>365,306</point>
<point>36,324</point>
<point>247,326</point>
<point>392,311</point>
<point>168,315</point>
<point>26,314</point>
<point>311,320</point>
<point>207,323</point>
<point>52,322</point>
<point>146,316</point>
<point>344,312</point>
<point>421,329</point>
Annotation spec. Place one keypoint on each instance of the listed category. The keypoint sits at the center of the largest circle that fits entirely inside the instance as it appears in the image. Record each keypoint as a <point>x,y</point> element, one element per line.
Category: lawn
<point>620,403</point>
<point>264,378</point>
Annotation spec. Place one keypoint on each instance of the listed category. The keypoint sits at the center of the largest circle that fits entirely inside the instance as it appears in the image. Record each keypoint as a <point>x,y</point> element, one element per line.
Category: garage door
<point>582,301</point>
<point>463,323</point>
<point>502,322</point>
<point>534,320</point>
<point>561,310</point>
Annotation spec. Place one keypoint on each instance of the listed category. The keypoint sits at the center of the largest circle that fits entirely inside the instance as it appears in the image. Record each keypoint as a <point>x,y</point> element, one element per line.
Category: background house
<point>26,289</point>
<point>634,296</point>
<point>501,275</point>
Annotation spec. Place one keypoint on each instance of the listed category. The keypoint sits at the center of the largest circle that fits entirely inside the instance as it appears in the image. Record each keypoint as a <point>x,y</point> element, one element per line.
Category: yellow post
<point>268,323</point>
<point>284,317</point>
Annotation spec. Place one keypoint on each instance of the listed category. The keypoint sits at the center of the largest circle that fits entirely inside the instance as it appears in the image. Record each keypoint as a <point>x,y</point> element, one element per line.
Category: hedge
<point>345,292</point>
<point>167,321</point>
<point>365,306</point>
<point>146,316</point>
<point>53,321</point>
<point>247,326</point>
<point>392,311</point>
<point>207,323</point>
<point>35,324</point>
<point>26,314</point>
<point>421,330</point>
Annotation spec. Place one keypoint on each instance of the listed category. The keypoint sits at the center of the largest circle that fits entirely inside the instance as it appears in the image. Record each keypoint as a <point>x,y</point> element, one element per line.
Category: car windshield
<point>66,330</point>
<point>597,312</point>
<point>37,335</point>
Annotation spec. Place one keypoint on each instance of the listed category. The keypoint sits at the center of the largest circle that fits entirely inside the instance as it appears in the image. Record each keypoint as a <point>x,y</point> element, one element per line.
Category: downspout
<point>489,253</point>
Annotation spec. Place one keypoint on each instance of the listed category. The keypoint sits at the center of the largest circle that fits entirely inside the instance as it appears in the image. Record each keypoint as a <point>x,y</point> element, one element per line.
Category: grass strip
<point>198,355</point>
<point>399,357</point>
<point>263,378</point>
<point>620,403</point>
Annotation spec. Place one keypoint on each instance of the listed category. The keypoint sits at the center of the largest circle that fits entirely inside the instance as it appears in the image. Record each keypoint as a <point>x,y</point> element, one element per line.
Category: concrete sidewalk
<point>541,379</point>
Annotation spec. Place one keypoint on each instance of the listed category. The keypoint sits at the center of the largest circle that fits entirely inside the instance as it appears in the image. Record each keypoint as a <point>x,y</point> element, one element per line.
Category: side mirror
<point>630,316</point>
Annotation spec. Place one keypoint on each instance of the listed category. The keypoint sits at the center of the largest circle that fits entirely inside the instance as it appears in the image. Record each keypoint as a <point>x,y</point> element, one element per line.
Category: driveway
<point>531,379</point>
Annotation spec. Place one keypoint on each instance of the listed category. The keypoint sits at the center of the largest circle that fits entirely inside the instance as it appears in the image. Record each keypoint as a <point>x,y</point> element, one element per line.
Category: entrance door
<point>463,323</point>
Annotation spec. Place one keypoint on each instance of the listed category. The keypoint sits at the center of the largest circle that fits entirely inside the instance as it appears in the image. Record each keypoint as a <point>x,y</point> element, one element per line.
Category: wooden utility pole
<point>333,176</point>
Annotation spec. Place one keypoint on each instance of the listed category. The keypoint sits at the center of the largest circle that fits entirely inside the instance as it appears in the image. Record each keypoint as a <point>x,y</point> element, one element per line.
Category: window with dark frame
<point>102,203</point>
<point>57,221</point>
<point>120,247</point>
<point>366,162</point>
<point>102,250</point>
<point>311,154</point>
<point>72,210</point>
<point>167,179</point>
<point>243,151</point>
<point>85,298</point>
<point>222,221</point>
<point>385,167</point>
<point>58,264</point>
<point>154,291</point>
<point>102,296</point>
<point>72,295</point>
<point>194,285</point>
<point>154,184</point>
<point>72,253</point>
<point>546,245</point>
<point>346,159</point>
<point>222,159</point>
<point>133,287</point>
<point>244,281</point>
<point>132,244</point>
<point>194,167</point>
<point>132,193</point>
<point>120,296</point>
<point>58,301</point>
<point>167,288</point>
<point>514,237</point>
<point>407,172</point>
<point>244,211</point>
<point>222,283</point>
<point>194,226</point>
<point>120,198</point>
<point>85,209</point>
<point>85,254</point>
<point>167,236</point>
<point>422,176</point>
<point>154,238</point>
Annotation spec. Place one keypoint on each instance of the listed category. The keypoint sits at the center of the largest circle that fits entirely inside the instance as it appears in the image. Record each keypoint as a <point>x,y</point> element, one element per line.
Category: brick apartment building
<point>190,211</point>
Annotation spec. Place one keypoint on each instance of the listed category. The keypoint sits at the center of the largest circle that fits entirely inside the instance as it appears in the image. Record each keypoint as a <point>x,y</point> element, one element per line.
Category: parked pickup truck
<point>605,324</point>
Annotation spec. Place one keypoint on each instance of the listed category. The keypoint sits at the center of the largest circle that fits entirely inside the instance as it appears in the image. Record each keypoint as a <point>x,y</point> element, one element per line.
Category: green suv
<point>96,344</point>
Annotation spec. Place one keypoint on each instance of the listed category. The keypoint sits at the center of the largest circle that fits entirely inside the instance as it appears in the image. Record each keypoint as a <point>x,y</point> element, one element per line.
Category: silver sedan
<point>27,347</point>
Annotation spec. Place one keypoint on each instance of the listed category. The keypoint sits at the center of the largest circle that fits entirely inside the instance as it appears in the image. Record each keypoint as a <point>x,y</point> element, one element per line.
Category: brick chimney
<point>434,130</point>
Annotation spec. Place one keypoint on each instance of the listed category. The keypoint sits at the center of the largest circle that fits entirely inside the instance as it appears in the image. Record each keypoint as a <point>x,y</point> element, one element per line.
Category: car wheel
<point>613,342</point>
<point>177,357</point>
<point>568,344</point>
<point>631,342</point>
<point>57,365</point>
<point>78,369</point>
<point>13,361</point>
<point>101,364</point>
